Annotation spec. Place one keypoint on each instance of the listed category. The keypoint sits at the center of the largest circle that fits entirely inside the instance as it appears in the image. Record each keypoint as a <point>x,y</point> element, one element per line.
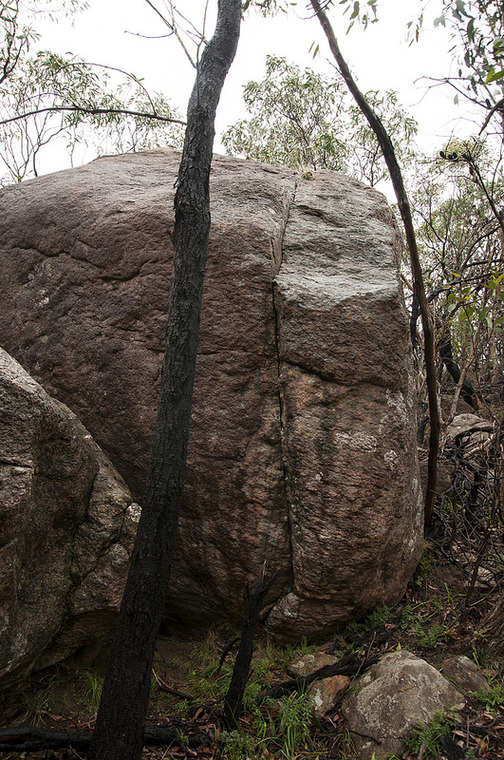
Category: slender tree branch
<point>128,74</point>
<point>404,208</point>
<point>173,30</point>
<point>92,112</point>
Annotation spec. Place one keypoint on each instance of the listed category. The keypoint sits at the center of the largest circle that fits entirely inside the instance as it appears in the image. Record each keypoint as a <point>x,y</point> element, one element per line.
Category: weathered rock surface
<point>465,674</point>
<point>65,529</point>
<point>326,693</point>
<point>302,451</point>
<point>391,699</point>
<point>469,431</point>
<point>306,664</point>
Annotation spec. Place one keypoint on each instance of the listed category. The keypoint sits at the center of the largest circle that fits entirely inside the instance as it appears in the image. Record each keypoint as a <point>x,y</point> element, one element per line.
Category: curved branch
<point>405,210</point>
<point>127,74</point>
<point>92,112</point>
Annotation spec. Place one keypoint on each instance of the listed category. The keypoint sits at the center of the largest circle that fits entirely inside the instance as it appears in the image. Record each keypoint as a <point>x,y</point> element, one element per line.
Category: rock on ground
<point>326,693</point>
<point>465,674</point>
<point>302,452</point>
<point>306,664</point>
<point>391,699</point>
<point>65,529</point>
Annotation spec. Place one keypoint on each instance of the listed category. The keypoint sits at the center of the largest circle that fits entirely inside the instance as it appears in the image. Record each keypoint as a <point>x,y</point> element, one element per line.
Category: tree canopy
<point>308,121</point>
<point>44,96</point>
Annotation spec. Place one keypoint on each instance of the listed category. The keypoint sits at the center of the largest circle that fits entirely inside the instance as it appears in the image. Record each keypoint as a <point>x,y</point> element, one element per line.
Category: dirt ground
<point>442,614</point>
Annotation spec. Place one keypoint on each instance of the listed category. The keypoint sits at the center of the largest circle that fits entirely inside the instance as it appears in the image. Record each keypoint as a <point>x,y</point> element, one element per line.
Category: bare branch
<point>173,30</point>
<point>92,112</point>
<point>499,106</point>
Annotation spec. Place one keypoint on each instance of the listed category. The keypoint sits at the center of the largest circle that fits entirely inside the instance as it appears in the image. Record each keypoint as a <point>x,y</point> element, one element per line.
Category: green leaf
<point>356,9</point>
<point>498,47</point>
<point>470,30</point>
<point>493,76</point>
<point>467,313</point>
<point>460,10</point>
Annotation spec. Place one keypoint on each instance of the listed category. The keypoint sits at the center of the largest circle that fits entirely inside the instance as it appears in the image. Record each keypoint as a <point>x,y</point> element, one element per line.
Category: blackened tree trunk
<point>118,734</point>
<point>468,392</point>
<point>253,602</point>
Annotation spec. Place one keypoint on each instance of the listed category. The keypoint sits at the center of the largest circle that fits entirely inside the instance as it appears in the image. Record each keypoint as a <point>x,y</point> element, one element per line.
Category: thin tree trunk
<point>404,208</point>
<point>252,605</point>
<point>119,727</point>
<point>467,390</point>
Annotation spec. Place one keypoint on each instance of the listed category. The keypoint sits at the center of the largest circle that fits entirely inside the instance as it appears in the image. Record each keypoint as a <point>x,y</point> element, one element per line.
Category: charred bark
<point>37,738</point>
<point>251,611</point>
<point>120,724</point>
<point>467,392</point>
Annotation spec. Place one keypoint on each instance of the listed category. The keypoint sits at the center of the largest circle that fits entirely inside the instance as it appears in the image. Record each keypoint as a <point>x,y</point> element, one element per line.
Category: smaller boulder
<point>393,697</point>
<point>67,526</point>
<point>465,674</point>
<point>325,694</point>
<point>471,432</point>
<point>306,664</point>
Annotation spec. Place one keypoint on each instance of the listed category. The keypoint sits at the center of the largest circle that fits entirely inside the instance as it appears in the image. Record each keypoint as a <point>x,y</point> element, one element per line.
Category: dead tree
<point>119,731</point>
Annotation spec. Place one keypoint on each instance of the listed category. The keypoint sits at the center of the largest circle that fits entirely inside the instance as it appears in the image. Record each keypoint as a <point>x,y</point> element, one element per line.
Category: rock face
<point>66,529</point>
<point>391,699</point>
<point>302,452</point>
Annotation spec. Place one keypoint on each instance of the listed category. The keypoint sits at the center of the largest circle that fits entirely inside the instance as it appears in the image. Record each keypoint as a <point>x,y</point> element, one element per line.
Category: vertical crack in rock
<point>277,262</point>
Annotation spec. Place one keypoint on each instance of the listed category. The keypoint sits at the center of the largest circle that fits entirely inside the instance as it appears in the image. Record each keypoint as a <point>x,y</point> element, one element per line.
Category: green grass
<point>294,720</point>
<point>37,702</point>
<point>493,699</point>
<point>281,731</point>
<point>92,689</point>
<point>428,737</point>
<point>375,619</point>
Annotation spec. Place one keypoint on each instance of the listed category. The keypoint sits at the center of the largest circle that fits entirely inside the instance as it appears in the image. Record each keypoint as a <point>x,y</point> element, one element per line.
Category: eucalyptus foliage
<point>362,11</point>
<point>44,96</point>
<point>304,120</point>
<point>460,240</point>
<point>477,28</point>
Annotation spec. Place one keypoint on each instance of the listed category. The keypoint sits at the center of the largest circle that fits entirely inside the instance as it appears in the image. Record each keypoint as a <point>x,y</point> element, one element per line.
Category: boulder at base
<point>302,452</point>
<point>396,695</point>
<point>66,529</point>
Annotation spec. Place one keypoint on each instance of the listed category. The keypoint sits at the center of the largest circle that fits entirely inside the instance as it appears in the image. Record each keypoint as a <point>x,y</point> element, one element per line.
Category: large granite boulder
<point>66,529</point>
<point>302,452</point>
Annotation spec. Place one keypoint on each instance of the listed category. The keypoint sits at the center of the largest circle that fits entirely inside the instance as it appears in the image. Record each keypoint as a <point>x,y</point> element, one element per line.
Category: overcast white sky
<point>110,33</point>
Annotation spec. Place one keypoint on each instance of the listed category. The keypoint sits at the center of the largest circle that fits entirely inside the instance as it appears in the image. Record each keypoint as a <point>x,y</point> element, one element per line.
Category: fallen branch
<point>35,738</point>
<point>168,689</point>
<point>349,665</point>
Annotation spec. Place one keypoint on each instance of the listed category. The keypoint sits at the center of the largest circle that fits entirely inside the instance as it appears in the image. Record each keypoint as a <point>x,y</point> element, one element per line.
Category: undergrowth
<point>430,739</point>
